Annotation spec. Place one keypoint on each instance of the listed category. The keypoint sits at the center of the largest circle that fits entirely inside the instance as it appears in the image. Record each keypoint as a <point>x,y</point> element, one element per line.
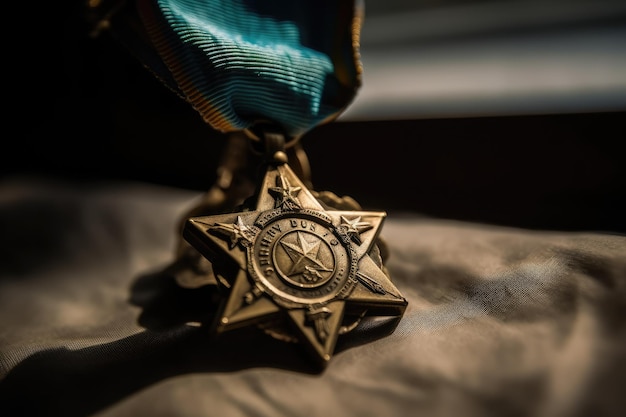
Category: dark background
<point>84,109</point>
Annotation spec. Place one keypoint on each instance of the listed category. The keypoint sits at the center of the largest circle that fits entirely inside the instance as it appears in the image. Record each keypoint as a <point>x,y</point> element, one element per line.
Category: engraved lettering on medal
<point>299,257</point>
<point>264,252</point>
<point>273,230</point>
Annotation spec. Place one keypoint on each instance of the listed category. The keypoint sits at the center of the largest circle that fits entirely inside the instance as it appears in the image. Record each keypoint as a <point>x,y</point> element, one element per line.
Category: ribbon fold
<point>240,62</point>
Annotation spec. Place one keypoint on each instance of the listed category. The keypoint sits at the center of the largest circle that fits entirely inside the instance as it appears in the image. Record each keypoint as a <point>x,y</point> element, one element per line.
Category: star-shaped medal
<point>290,259</point>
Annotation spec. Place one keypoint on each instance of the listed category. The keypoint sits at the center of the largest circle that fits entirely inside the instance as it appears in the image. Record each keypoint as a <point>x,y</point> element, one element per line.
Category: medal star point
<point>238,233</point>
<point>354,227</point>
<point>286,196</point>
<point>298,261</point>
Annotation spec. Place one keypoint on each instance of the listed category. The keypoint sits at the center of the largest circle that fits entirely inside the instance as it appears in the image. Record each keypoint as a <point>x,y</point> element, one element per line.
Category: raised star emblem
<point>290,259</point>
<point>354,227</point>
<point>286,196</point>
<point>238,233</point>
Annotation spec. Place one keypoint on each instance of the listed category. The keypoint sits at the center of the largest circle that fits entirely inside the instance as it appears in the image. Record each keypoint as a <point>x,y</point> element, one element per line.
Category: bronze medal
<point>289,265</point>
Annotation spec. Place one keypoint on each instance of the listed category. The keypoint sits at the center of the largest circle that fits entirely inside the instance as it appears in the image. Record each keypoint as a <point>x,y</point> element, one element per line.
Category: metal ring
<point>260,128</point>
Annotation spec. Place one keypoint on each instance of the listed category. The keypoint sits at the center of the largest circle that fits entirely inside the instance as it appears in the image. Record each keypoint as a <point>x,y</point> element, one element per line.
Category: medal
<point>294,267</point>
<point>305,266</point>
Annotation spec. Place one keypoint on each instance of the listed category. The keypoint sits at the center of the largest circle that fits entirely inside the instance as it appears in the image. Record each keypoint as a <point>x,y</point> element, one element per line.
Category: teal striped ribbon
<point>294,63</point>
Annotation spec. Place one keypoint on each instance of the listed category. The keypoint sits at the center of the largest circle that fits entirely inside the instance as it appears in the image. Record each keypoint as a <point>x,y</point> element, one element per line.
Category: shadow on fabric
<point>68,383</point>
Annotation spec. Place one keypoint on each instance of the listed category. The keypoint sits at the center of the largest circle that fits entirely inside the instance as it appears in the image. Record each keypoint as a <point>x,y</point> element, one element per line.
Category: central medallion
<point>301,260</point>
<point>304,259</point>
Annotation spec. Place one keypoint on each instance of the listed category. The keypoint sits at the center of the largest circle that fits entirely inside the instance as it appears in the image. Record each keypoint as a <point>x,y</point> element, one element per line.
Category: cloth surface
<point>500,322</point>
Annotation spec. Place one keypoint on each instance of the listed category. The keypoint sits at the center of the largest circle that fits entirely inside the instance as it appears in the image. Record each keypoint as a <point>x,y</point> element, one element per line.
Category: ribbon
<point>293,63</point>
